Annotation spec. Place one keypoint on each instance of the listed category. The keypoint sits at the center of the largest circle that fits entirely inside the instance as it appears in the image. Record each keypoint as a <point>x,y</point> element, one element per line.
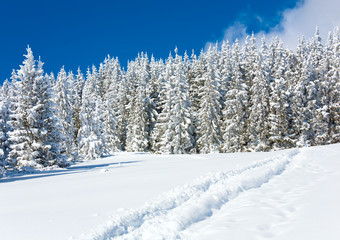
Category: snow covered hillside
<point>290,194</point>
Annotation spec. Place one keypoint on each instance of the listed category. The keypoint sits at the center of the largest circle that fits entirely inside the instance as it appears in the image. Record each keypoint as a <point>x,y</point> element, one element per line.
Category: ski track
<point>175,211</point>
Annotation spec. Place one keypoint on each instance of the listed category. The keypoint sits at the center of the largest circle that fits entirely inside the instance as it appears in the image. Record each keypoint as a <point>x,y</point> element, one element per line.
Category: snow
<point>291,194</point>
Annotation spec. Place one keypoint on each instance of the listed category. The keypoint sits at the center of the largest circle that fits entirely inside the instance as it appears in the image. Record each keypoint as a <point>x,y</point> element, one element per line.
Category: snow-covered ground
<point>291,194</point>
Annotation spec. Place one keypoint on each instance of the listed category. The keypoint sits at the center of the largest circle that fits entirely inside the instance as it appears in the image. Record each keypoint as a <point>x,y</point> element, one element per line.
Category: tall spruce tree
<point>35,136</point>
<point>278,99</point>
<point>138,122</point>
<point>113,77</point>
<point>334,93</point>
<point>65,101</point>
<point>5,126</point>
<point>235,109</point>
<point>91,134</point>
<point>209,114</point>
<point>259,101</point>
<point>174,128</point>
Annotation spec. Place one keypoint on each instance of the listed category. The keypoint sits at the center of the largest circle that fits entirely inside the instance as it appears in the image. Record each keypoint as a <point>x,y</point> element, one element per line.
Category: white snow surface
<point>291,194</point>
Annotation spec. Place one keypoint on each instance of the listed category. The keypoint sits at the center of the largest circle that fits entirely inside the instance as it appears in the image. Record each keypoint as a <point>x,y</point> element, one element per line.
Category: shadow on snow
<point>49,173</point>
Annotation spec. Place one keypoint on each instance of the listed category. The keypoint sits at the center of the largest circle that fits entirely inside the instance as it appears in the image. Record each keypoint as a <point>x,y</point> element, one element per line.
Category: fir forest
<point>254,95</point>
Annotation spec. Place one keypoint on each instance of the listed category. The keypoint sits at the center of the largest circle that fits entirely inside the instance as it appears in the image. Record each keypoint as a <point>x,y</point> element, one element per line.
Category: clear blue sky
<point>82,33</point>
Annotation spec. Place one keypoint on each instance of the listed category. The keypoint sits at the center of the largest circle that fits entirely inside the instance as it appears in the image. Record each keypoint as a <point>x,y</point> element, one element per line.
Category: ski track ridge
<point>176,210</point>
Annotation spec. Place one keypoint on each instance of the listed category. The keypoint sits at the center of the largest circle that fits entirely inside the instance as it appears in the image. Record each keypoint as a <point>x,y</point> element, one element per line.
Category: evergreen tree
<point>194,72</point>
<point>156,68</point>
<point>122,113</point>
<point>320,60</point>
<point>334,93</point>
<point>35,136</point>
<point>4,122</point>
<point>137,127</point>
<point>224,63</point>
<point>174,129</point>
<point>278,100</point>
<point>302,105</point>
<point>180,128</point>
<point>259,102</point>
<point>91,134</point>
<point>112,79</point>
<point>209,114</point>
<point>163,107</point>
<point>65,101</point>
<point>76,108</point>
<point>235,110</point>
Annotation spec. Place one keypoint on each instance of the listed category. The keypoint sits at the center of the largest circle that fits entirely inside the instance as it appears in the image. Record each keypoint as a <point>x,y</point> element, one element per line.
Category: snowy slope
<point>300,203</point>
<point>291,194</point>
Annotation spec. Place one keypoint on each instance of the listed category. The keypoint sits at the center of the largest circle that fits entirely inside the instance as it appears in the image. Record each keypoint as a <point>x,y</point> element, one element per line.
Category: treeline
<point>228,99</point>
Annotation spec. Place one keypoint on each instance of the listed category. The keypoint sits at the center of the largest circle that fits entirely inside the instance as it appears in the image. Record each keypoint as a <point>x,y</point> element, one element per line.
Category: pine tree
<point>91,134</point>
<point>194,73</point>
<point>4,122</point>
<point>163,107</point>
<point>235,110</point>
<point>156,68</point>
<point>122,113</point>
<point>224,63</point>
<point>65,94</point>
<point>278,100</point>
<point>321,114</point>
<point>174,129</point>
<point>302,103</point>
<point>334,93</point>
<point>259,102</point>
<point>110,125</point>
<point>35,136</point>
<point>209,114</point>
<point>180,130</point>
<point>4,127</point>
<point>76,108</point>
<point>137,127</point>
<point>112,79</point>
<point>47,127</point>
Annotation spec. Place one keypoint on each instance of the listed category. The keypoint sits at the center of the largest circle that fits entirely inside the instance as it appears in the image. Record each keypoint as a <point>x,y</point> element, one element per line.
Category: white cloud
<point>299,21</point>
<point>236,31</point>
<point>303,20</point>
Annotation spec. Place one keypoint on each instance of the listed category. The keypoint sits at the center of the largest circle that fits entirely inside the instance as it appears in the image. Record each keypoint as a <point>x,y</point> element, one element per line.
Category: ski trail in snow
<point>178,209</point>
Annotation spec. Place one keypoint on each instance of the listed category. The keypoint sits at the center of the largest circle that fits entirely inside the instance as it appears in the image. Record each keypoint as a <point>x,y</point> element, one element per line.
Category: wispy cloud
<point>303,19</point>
<point>237,31</point>
<point>299,21</point>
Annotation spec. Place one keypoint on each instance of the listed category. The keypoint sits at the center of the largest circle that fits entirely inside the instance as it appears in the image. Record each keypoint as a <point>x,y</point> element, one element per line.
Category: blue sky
<point>82,33</point>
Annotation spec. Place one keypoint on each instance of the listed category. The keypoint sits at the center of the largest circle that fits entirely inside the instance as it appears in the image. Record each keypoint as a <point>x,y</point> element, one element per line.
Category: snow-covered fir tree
<point>112,79</point>
<point>138,122</point>
<point>235,110</point>
<point>174,129</point>
<point>91,134</point>
<point>209,114</point>
<point>179,132</point>
<point>320,63</point>
<point>334,92</point>
<point>79,86</point>
<point>65,95</point>
<point>5,126</point>
<point>35,136</point>
<point>258,128</point>
<point>278,99</point>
